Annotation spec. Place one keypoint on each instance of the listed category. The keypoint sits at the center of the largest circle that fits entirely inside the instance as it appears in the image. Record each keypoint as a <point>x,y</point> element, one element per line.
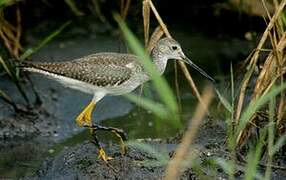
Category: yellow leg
<point>84,118</point>
<point>122,145</point>
<point>102,155</point>
<point>118,132</point>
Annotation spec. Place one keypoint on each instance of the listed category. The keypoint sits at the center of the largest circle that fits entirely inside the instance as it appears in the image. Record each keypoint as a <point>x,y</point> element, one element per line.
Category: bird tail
<point>24,65</point>
<point>14,63</point>
<point>18,63</point>
<point>34,67</point>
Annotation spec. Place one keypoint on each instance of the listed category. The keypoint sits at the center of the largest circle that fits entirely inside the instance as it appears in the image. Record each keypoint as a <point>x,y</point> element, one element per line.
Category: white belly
<point>124,88</point>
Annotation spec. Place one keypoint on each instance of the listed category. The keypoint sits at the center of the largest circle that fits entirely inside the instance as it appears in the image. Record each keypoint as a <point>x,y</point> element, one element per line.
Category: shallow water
<point>138,124</point>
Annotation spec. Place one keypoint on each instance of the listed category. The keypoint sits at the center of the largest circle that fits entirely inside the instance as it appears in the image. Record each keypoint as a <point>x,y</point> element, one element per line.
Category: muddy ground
<point>81,162</point>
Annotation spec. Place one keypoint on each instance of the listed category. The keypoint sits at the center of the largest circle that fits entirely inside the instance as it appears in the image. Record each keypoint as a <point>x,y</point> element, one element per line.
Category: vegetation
<point>269,88</point>
<point>263,81</point>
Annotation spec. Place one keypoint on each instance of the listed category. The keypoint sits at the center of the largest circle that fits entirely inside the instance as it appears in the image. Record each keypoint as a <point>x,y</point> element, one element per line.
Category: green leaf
<point>225,103</point>
<point>253,158</point>
<point>254,106</point>
<point>161,157</point>
<point>156,108</point>
<point>6,3</point>
<point>159,82</point>
<point>45,41</point>
<point>227,166</point>
<point>280,142</point>
<point>6,68</point>
<point>5,96</point>
<point>74,8</point>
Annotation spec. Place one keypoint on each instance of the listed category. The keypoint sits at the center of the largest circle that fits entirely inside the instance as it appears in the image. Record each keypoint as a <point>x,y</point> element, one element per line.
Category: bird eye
<point>174,47</point>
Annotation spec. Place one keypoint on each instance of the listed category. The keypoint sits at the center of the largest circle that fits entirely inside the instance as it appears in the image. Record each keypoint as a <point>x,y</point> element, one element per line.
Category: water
<point>24,159</point>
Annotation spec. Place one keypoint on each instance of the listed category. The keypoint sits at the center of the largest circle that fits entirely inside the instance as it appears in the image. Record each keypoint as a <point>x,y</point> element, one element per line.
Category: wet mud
<point>81,162</point>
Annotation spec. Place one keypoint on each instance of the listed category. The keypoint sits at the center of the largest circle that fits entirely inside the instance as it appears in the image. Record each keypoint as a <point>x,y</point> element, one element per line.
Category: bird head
<point>171,49</point>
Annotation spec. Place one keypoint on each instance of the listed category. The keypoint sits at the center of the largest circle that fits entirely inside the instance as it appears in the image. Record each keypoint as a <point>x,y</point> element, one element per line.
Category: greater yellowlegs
<point>109,73</point>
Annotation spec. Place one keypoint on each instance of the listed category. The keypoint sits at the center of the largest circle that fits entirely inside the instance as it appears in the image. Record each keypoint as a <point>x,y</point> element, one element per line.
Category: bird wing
<point>102,69</point>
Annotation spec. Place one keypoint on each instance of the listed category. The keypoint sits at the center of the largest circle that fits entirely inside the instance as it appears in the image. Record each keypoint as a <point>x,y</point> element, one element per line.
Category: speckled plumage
<point>101,69</point>
<point>110,73</point>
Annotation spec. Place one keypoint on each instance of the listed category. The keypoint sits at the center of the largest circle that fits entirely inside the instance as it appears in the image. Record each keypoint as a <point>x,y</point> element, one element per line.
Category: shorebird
<point>109,73</point>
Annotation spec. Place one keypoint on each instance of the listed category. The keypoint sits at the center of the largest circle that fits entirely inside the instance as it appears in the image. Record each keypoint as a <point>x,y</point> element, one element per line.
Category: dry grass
<point>158,33</point>
<point>271,71</point>
<point>181,154</point>
<point>251,7</point>
<point>11,34</point>
<point>124,8</point>
<point>176,163</point>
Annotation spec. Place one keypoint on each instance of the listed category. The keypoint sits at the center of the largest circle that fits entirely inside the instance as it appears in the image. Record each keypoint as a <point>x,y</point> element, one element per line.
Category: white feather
<point>68,82</point>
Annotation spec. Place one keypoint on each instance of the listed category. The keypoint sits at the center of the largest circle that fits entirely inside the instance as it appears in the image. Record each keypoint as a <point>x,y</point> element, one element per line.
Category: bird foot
<point>118,132</point>
<point>102,155</point>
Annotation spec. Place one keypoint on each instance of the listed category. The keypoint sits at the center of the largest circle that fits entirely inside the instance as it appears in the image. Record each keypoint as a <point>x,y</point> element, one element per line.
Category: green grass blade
<point>5,96</point>
<point>160,84</point>
<point>6,68</point>
<point>224,102</point>
<point>161,157</point>
<point>283,16</point>
<point>280,142</point>
<point>227,166</point>
<point>148,104</point>
<point>74,8</point>
<point>5,3</point>
<point>253,158</point>
<point>8,99</point>
<point>45,41</point>
<point>271,137</point>
<point>253,107</point>
<point>232,92</point>
<point>156,108</point>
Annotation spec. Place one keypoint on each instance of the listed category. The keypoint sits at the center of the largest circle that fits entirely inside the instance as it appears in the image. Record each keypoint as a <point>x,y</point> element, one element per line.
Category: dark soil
<point>81,162</point>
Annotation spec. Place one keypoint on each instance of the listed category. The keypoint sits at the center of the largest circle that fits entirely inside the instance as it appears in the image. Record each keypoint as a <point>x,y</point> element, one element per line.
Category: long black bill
<point>188,61</point>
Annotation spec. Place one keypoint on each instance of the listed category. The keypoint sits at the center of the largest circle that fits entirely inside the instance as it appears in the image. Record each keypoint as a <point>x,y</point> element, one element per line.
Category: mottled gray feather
<point>101,69</point>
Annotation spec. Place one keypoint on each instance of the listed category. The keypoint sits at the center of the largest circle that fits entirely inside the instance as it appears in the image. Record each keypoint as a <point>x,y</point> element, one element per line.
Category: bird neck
<point>159,60</point>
